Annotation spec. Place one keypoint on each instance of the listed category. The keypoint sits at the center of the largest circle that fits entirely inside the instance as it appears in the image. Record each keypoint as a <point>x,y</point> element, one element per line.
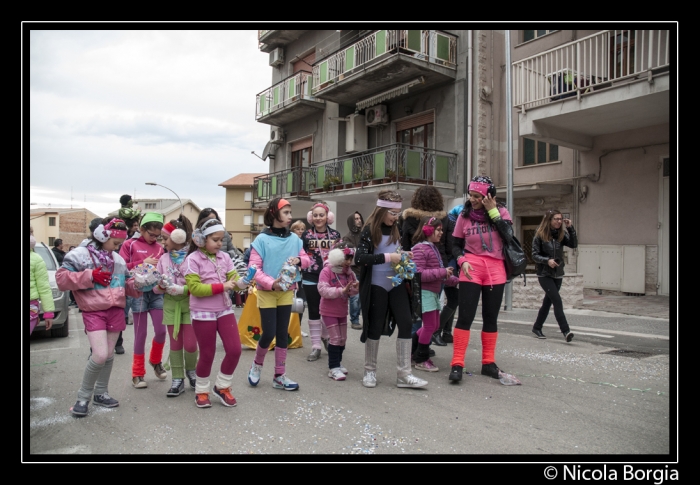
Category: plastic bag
<point>508,379</point>
<point>289,274</point>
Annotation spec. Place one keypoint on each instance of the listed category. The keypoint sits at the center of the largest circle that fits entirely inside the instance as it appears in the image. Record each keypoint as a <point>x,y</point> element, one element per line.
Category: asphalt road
<point>576,399</point>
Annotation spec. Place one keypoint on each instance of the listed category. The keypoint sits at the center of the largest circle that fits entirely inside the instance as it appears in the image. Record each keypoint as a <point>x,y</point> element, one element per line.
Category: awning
<point>392,93</point>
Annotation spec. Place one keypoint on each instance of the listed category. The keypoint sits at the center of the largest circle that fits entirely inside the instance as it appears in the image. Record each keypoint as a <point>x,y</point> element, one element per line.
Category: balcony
<point>270,39</point>
<point>287,101</point>
<point>384,60</point>
<point>611,81</point>
<point>402,166</point>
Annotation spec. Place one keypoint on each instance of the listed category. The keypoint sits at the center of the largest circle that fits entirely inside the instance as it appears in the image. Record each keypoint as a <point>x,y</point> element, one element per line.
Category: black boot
<point>446,319</point>
<point>437,339</point>
<point>414,345</point>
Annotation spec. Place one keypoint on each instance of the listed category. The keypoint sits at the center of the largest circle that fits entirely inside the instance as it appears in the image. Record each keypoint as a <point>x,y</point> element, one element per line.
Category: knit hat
<point>151,217</point>
<point>483,185</point>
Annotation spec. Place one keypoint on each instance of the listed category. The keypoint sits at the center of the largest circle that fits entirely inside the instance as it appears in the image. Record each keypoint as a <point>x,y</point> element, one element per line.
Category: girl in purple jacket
<point>433,275</point>
<point>336,284</point>
<point>210,278</point>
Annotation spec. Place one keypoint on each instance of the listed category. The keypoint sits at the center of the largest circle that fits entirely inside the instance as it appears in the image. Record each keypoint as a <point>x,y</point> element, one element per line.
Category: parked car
<point>60,298</point>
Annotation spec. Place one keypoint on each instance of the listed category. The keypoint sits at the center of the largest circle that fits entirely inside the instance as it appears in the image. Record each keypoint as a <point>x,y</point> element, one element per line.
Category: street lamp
<point>182,210</point>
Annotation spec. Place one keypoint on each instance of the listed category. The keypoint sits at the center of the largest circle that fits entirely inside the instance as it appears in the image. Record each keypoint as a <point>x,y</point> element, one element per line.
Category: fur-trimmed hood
<point>418,214</point>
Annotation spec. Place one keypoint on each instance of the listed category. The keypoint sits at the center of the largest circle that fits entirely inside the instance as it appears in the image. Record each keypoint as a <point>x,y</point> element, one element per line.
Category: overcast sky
<point>110,110</point>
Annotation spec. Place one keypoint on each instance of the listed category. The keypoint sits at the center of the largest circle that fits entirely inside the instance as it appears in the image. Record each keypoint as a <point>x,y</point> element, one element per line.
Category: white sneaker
<point>343,369</point>
<point>336,374</point>
<point>411,381</point>
<point>370,379</point>
<point>254,374</point>
<point>304,334</point>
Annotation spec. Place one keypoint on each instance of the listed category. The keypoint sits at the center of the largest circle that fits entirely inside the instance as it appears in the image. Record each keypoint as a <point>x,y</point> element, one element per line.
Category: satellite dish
<point>270,149</point>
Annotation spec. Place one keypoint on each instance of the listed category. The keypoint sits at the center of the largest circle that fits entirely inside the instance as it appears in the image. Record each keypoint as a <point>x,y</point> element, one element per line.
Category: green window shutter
<point>528,151</point>
<point>347,171</point>
<point>413,164</point>
<point>379,159</point>
<point>380,43</point>
<point>320,177</point>
<point>349,58</point>
<point>291,88</point>
<point>442,169</point>
<point>273,190</point>
<point>262,104</point>
<point>414,40</point>
<point>290,182</point>
<point>323,72</point>
<point>275,96</point>
<point>260,189</point>
<point>443,47</point>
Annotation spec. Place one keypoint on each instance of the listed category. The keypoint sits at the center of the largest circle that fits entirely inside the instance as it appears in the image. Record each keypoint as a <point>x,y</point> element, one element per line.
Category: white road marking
<point>581,330</point>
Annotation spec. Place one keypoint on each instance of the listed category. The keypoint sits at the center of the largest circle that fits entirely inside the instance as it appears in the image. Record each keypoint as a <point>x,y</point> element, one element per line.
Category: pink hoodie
<point>334,303</point>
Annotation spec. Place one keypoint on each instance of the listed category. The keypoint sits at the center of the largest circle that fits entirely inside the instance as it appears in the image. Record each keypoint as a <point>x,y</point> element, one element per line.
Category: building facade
<point>352,112</point>
<point>242,222</point>
<point>70,225</point>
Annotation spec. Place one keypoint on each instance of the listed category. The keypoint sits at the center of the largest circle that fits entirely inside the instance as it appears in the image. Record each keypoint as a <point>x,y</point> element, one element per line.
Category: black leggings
<point>491,298</point>
<point>275,324</point>
<point>452,294</point>
<point>380,302</point>
<point>551,287</point>
<point>313,301</point>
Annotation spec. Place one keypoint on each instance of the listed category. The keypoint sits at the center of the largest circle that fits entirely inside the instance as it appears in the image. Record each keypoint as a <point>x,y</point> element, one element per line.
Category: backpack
<point>514,258</point>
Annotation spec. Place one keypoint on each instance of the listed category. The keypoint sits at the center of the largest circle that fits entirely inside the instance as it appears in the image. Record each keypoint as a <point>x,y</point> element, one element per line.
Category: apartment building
<point>70,225</point>
<point>355,111</point>
<point>242,222</point>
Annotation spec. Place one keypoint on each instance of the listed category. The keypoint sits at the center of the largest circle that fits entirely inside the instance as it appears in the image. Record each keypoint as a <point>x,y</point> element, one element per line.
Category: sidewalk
<point>654,306</point>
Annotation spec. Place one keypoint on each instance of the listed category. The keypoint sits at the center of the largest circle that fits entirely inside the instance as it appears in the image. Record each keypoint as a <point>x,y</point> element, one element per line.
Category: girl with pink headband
<point>377,252</point>
<point>100,281</point>
<point>318,241</point>
<point>479,235</point>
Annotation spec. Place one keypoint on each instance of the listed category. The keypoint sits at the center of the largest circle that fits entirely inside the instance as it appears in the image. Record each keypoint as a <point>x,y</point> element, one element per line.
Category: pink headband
<point>388,204</point>
<point>320,204</point>
<point>480,187</point>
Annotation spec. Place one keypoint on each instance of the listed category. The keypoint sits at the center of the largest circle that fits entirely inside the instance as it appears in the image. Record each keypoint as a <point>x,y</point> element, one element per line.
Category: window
<point>418,132</point>
<point>247,220</point>
<point>261,219</point>
<point>246,242</point>
<point>539,152</point>
<point>248,196</point>
<point>51,240</point>
<point>622,53</point>
<point>301,157</point>
<point>534,34</point>
<point>151,205</point>
<point>52,222</point>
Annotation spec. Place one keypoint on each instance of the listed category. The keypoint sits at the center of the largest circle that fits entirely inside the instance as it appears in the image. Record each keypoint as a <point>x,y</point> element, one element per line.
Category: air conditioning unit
<point>277,56</point>
<point>376,115</point>
<point>277,136</point>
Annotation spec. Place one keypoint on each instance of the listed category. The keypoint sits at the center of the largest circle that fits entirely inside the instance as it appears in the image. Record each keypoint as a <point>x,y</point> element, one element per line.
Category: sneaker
<point>343,369</point>
<point>176,388</point>
<point>202,400</point>
<point>336,374</point>
<point>225,395</point>
<point>490,370</point>
<point>427,366</point>
<point>284,382</point>
<point>138,382</point>
<point>304,334</point>
<point>160,372</point>
<point>538,333</point>
<point>192,377</point>
<point>254,374</point>
<point>411,381</point>
<point>356,326</point>
<point>314,355</point>
<point>369,379</point>
<point>80,408</point>
<point>456,373</point>
<point>325,343</point>
<point>447,338</point>
<point>569,336</point>
<point>118,349</point>
<point>105,400</point>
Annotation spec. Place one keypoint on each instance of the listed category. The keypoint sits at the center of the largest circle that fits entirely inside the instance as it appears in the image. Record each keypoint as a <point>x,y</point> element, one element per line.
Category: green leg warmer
<point>176,364</point>
<point>191,360</point>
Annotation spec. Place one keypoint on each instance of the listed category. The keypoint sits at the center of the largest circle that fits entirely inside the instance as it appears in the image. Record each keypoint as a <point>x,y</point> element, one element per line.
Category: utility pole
<point>509,158</point>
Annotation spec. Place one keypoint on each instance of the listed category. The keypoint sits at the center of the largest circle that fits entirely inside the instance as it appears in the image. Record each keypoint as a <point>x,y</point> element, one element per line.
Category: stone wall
<point>531,295</point>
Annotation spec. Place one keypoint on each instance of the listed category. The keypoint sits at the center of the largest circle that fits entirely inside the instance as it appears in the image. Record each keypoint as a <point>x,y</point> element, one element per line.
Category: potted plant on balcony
<point>402,174</point>
<point>357,180</point>
<point>390,175</point>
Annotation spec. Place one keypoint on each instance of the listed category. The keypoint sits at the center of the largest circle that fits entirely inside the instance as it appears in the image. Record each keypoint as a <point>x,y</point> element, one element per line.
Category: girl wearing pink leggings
<point>210,277</point>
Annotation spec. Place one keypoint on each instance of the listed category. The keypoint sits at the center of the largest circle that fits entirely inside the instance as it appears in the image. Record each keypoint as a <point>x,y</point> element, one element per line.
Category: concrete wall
<point>531,294</point>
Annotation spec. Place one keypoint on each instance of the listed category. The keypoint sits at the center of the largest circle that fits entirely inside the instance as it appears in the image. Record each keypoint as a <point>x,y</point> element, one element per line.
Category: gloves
<point>175,290</point>
<point>101,277</point>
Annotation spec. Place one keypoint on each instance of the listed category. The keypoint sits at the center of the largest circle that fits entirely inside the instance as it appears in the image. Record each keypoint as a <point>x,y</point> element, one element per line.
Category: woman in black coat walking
<point>548,254</point>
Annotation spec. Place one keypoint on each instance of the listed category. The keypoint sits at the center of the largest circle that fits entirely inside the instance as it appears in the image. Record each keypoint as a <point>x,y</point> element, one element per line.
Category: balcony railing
<point>433,46</point>
<point>285,92</point>
<point>397,163</point>
<point>588,64</point>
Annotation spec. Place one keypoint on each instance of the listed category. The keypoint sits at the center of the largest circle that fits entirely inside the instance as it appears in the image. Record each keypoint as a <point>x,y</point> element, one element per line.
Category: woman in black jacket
<point>548,254</point>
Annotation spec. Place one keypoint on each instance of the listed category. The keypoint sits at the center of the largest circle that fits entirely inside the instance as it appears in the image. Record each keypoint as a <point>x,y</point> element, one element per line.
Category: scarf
<point>177,256</point>
<point>478,215</point>
<point>104,257</point>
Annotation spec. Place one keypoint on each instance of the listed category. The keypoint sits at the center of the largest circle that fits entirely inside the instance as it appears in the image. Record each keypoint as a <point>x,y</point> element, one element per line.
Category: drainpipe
<point>509,159</point>
<point>468,106</point>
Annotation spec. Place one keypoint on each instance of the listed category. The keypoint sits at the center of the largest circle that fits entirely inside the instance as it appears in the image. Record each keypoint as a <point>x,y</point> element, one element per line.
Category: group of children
<point>191,299</point>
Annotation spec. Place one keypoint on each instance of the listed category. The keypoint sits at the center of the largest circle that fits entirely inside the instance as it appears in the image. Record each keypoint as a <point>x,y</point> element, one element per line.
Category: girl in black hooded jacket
<point>548,254</point>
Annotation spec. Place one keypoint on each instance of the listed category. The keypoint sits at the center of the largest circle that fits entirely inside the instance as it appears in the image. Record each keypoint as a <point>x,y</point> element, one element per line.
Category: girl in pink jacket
<point>336,284</point>
<point>100,281</point>
<point>433,275</point>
